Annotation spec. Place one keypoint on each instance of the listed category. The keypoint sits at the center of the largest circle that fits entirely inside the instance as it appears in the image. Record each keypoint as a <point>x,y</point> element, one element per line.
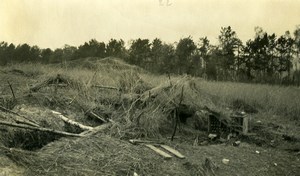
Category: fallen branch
<point>96,130</point>
<point>31,122</point>
<point>105,87</point>
<point>92,114</point>
<point>69,121</point>
<point>40,129</point>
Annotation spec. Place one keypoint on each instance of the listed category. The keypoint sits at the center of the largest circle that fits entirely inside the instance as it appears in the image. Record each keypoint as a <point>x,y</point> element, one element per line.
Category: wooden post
<point>245,124</point>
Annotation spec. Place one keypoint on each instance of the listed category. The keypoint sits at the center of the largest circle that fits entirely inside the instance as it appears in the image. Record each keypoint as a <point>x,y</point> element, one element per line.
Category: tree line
<point>267,58</point>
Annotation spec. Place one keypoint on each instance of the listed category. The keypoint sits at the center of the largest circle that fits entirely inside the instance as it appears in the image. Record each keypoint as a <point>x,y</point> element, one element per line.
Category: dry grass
<point>143,108</point>
<point>276,100</point>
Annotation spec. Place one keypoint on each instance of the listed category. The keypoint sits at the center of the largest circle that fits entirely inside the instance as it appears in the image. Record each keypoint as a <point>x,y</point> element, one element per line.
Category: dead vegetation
<point>78,122</point>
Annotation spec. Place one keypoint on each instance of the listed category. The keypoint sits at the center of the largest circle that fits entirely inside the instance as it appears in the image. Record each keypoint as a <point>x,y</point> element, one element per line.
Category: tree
<point>228,44</point>
<point>116,48</point>
<point>22,53</point>
<point>92,49</point>
<point>284,49</point>
<point>46,54</point>
<point>35,54</point>
<point>184,50</point>
<point>156,55</point>
<point>69,52</point>
<point>139,52</point>
<point>3,57</point>
<point>297,45</point>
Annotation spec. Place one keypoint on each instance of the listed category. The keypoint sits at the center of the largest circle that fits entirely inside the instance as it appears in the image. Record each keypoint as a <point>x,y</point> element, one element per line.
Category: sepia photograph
<point>149,87</point>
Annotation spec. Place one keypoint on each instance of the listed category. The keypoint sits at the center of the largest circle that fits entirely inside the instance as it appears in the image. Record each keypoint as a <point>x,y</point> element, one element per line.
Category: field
<point>135,104</point>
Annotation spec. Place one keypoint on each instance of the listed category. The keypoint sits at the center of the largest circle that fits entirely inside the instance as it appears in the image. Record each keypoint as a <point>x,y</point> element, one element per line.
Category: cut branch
<point>105,87</point>
<point>31,122</point>
<point>92,114</point>
<point>40,129</point>
<point>69,121</point>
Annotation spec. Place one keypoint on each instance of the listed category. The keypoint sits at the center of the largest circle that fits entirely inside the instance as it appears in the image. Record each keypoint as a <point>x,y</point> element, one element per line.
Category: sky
<point>54,23</point>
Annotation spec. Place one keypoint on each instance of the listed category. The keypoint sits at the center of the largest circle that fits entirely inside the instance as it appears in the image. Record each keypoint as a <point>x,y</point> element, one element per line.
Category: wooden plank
<point>160,152</point>
<point>173,151</point>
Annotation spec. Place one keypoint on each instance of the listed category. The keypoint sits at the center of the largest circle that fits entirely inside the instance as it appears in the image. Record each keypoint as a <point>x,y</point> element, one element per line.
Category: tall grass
<point>277,100</point>
<point>283,101</point>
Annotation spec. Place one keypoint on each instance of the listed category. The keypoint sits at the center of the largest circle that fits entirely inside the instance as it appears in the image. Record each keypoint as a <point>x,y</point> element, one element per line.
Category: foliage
<point>267,58</point>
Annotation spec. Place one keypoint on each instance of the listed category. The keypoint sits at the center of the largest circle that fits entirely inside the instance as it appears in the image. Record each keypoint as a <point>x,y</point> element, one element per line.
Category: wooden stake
<point>12,90</point>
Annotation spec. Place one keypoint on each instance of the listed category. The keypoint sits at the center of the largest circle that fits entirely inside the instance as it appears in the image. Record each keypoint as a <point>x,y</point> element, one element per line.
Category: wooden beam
<point>173,151</point>
<point>160,152</point>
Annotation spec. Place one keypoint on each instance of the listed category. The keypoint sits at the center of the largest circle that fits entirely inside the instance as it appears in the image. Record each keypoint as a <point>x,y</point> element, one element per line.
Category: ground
<point>271,148</point>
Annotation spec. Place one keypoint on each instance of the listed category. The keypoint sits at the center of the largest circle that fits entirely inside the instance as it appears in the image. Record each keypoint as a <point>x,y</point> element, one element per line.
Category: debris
<point>160,152</point>
<point>225,161</point>
<point>173,151</point>
<point>32,123</point>
<point>236,143</point>
<point>138,141</point>
<point>210,166</point>
<point>204,143</point>
<point>275,164</point>
<point>135,174</point>
<point>69,121</point>
<point>212,136</point>
<point>106,87</point>
<point>258,152</point>
<point>92,114</point>
<point>40,129</point>
<point>96,129</point>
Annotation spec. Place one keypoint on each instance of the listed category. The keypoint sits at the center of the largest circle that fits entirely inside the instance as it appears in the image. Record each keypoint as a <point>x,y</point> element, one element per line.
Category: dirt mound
<point>107,64</point>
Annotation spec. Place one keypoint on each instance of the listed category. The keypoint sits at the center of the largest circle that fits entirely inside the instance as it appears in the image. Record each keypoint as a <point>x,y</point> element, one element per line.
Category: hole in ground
<point>27,140</point>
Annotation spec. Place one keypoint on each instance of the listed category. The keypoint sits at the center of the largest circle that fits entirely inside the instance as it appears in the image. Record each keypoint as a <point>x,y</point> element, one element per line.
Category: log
<point>40,129</point>
<point>160,152</point>
<point>69,121</point>
<point>173,151</point>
